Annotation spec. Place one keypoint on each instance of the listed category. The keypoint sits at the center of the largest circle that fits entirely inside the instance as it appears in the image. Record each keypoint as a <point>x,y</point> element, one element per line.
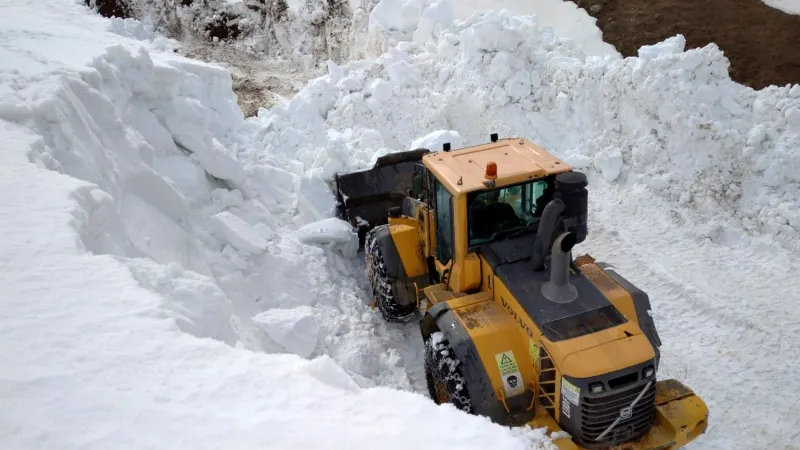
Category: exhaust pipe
<point>558,289</point>
<point>544,235</point>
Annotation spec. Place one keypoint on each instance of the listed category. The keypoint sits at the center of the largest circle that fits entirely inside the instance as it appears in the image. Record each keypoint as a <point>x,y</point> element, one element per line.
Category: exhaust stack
<point>559,289</point>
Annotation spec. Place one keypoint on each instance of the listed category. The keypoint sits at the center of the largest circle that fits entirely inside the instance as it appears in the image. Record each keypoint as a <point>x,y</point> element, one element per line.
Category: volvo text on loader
<point>478,243</point>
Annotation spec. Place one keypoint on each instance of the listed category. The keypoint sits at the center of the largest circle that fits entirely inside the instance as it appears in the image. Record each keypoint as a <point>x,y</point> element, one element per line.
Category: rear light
<point>649,371</point>
<point>596,388</point>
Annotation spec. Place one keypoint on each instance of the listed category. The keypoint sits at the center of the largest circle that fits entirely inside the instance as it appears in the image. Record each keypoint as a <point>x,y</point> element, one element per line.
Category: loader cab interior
<point>498,213</point>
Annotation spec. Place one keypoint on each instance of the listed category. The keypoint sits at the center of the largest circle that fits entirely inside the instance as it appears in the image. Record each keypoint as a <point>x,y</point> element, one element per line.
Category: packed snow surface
<point>176,278</point>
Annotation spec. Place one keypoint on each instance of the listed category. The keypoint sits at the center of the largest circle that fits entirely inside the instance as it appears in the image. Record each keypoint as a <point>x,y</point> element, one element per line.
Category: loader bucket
<point>363,198</point>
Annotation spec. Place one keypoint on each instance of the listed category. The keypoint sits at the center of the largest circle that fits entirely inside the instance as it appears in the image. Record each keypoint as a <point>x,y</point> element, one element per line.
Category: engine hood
<point>608,357</point>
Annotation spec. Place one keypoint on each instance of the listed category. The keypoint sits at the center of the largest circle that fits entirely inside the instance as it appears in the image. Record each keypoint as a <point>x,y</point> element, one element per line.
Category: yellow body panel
<point>618,296</point>
<point>607,358</point>
<point>497,339</point>
<point>467,276</point>
<point>405,233</point>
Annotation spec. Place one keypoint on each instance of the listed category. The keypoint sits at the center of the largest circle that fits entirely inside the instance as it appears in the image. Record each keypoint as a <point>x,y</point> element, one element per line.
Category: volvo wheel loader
<point>476,243</point>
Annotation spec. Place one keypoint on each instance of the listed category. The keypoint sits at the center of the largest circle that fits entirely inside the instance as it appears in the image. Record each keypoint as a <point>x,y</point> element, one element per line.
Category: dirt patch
<point>111,8</point>
<point>258,81</point>
<point>223,26</point>
<point>762,43</point>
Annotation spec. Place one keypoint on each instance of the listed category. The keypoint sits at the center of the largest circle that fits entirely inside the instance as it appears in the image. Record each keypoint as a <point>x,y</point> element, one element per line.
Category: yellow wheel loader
<point>476,243</point>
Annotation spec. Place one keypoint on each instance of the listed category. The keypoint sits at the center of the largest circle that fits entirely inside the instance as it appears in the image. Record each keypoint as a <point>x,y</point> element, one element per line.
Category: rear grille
<point>599,412</point>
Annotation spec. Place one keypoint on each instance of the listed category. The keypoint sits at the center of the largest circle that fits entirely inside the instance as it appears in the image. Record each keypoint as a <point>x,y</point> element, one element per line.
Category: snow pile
<point>671,120</point>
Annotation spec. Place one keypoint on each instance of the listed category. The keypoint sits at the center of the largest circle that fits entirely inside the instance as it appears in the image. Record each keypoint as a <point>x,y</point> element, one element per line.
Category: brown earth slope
<point>762,43</point>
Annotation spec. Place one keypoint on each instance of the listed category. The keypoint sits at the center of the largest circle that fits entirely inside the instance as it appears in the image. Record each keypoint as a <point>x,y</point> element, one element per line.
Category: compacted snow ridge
<point>176,277</point>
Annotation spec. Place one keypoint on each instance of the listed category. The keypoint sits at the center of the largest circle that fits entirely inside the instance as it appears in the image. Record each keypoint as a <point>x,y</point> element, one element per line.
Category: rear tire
<point>443,372</point>
<point>383,291</point>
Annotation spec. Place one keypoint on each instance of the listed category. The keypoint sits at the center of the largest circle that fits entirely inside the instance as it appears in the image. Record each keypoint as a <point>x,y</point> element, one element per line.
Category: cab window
<point>496,213</point>
<point>444,223</point>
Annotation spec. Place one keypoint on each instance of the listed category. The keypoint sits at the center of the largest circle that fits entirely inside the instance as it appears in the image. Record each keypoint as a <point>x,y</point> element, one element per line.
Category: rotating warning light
<point>491,170</point>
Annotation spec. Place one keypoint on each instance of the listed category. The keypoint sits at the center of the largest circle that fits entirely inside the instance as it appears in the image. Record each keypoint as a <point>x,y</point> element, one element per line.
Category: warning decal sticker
<point>509,372</point>
<point>570,392</point>
<point>533,349</point>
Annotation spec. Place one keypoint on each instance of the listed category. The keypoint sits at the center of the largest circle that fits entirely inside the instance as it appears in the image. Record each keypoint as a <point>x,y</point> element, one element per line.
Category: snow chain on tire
<point>382,290</point>
<point>446,383</point>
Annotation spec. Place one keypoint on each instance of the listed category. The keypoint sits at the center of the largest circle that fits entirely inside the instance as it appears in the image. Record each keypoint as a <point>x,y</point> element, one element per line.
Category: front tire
<point>383,291</point>
<point>443,372</point>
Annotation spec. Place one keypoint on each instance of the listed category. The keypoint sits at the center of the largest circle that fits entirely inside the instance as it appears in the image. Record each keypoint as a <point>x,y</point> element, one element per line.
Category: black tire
<point>443,372</point>
<point>383,291</point>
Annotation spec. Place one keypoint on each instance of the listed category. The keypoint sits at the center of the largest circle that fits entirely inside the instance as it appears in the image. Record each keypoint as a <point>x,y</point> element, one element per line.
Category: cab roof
<point>518,160</point>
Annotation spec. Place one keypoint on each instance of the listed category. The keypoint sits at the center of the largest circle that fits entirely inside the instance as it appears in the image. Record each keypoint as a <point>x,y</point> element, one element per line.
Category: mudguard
<point>512,411</point>
<point>641,303</point>
<point>400,246</point>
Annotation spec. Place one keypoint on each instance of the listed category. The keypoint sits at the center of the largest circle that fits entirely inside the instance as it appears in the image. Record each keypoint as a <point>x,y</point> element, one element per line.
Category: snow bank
<point>671,119</point>
<point>151,266</point>
<point>309,33</point>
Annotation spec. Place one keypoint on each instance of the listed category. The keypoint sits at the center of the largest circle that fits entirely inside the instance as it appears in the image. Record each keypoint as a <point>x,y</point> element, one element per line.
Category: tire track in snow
<point>724,312</point>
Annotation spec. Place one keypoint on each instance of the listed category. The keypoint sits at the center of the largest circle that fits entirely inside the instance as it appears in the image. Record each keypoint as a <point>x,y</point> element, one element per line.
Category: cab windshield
<point>498,213</point>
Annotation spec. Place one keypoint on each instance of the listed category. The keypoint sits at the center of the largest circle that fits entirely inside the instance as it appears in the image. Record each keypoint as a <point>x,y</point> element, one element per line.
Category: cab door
<point>443,229</point>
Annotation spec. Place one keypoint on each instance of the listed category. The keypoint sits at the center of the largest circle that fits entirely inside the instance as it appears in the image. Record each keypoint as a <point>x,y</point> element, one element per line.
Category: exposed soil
<point>257,80</point>
<point>762,43</point>
<point>111,8</point>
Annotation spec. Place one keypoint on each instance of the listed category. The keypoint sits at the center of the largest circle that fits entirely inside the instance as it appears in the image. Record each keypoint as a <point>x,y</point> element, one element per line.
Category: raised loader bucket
<point>363,198</point>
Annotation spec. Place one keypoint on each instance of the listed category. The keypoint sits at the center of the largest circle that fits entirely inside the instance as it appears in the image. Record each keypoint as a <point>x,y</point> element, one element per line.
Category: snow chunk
<point>400,15</point>
<point>325,369</point>
<point>333,233</point>
<point>296,329</point>
<point>380,90</point>
<point>315,200</point>
<point>238,233</point>
<point>671,46</point>
<point>434,140</point>
<point>609,162</point>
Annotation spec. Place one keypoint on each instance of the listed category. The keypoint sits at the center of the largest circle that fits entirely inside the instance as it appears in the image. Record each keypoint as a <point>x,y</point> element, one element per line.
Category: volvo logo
<point>625,413</point>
